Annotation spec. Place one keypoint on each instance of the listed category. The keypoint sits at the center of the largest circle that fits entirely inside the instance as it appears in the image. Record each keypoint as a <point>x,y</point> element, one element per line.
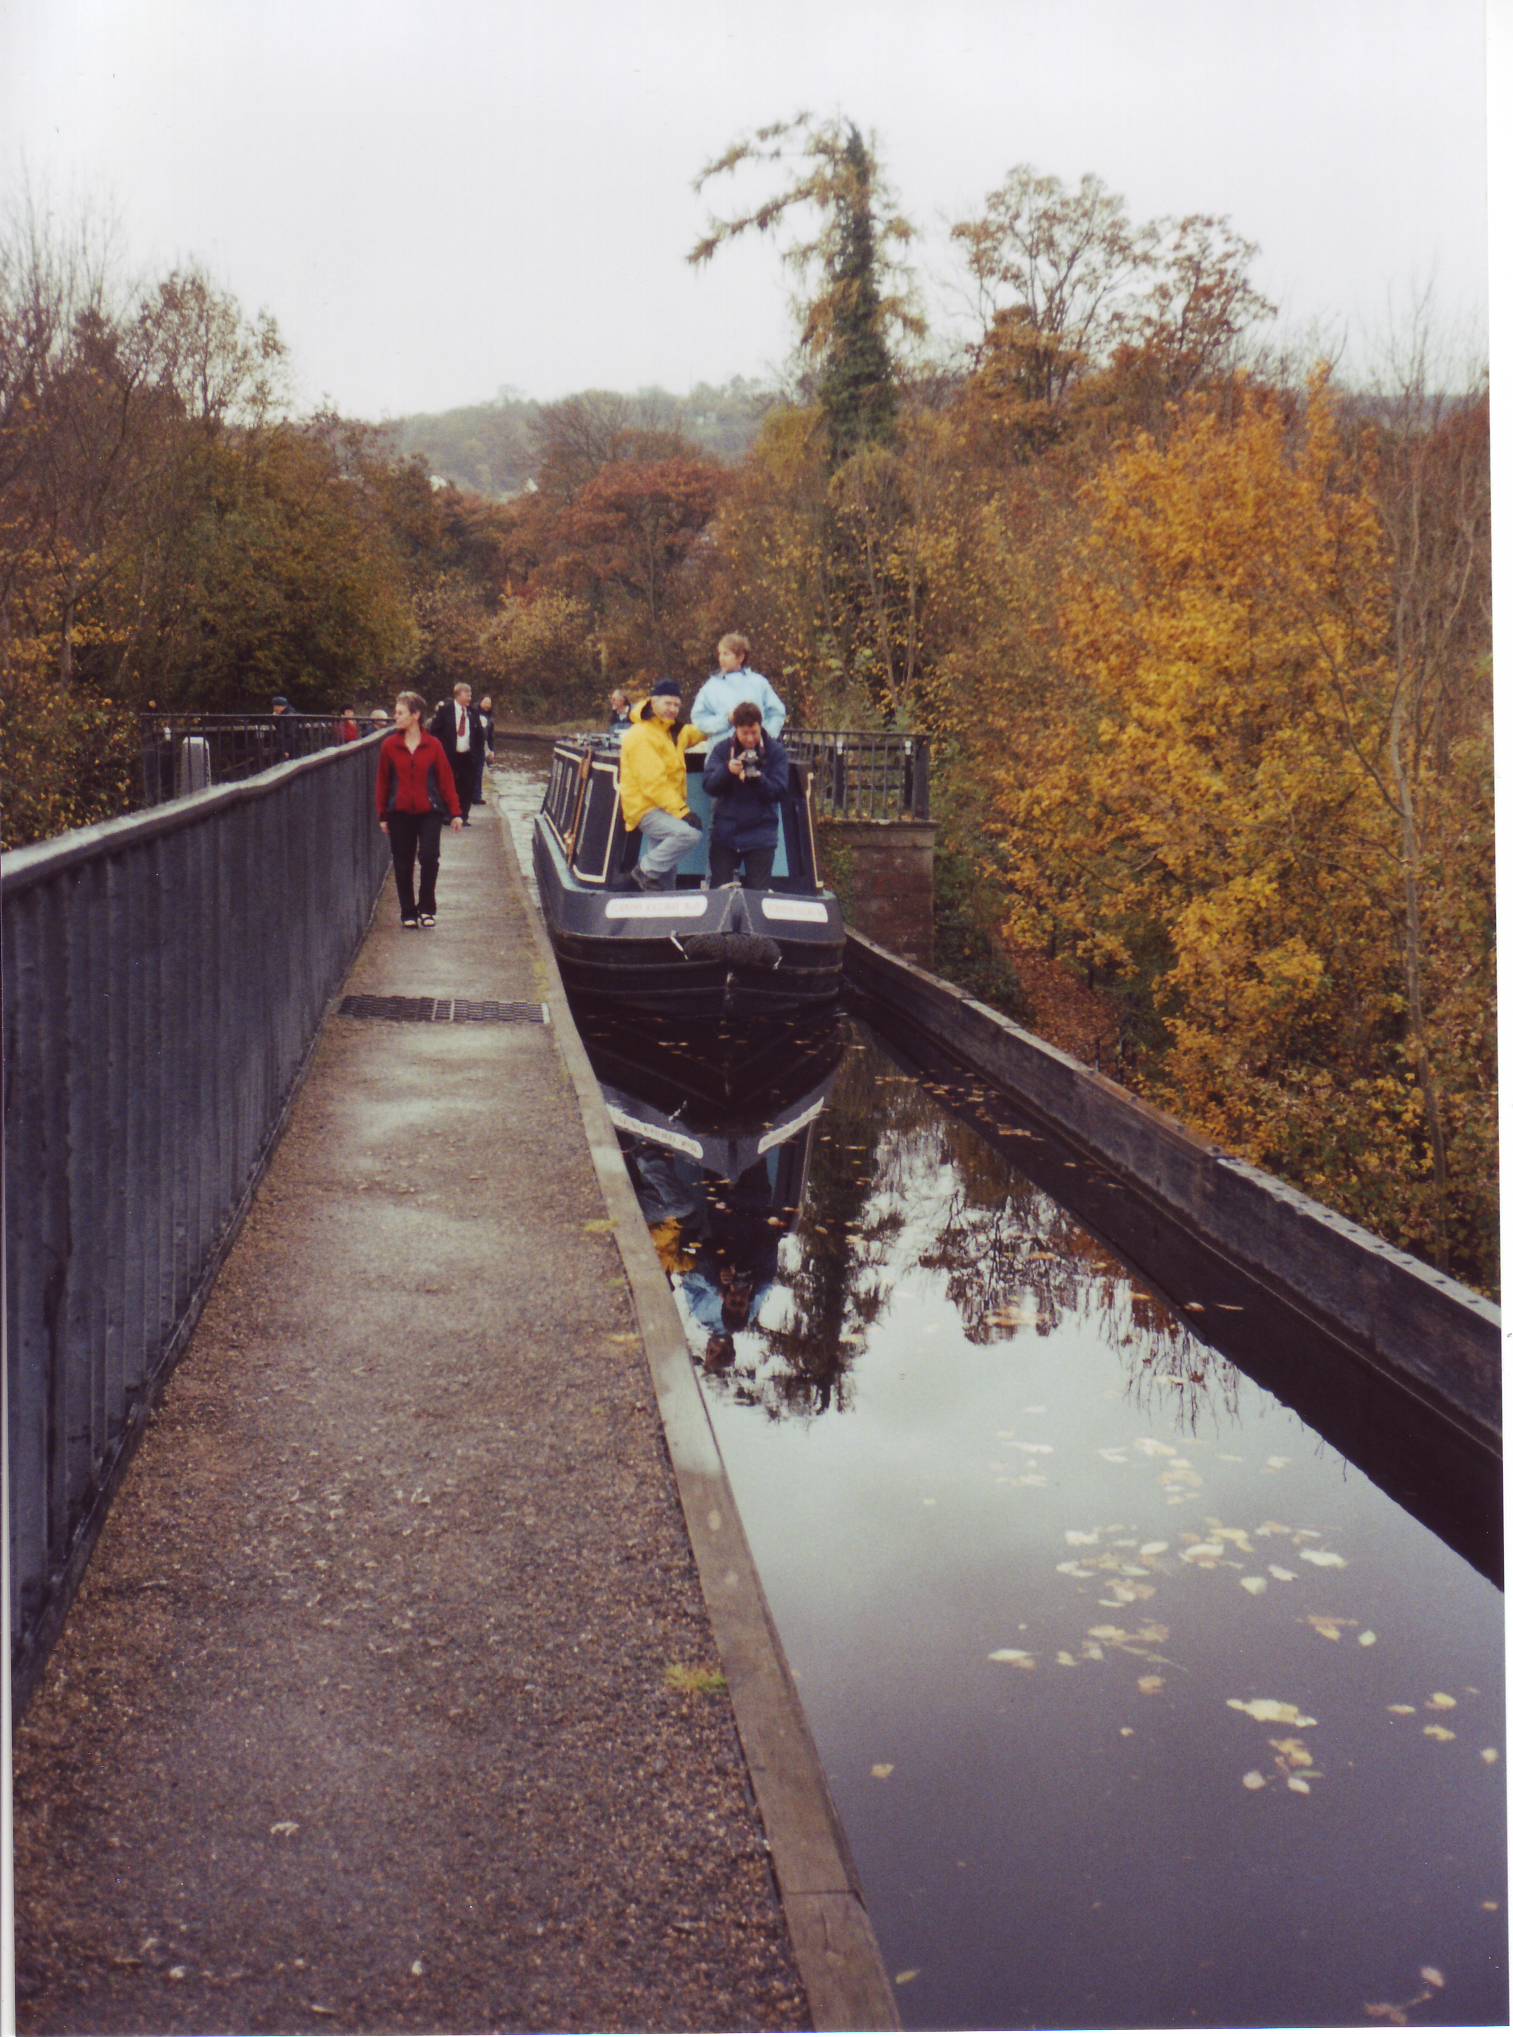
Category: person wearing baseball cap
<point>654,785</point>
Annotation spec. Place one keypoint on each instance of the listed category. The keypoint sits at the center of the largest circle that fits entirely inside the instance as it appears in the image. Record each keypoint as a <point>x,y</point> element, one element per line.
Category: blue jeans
<point>665,841</point>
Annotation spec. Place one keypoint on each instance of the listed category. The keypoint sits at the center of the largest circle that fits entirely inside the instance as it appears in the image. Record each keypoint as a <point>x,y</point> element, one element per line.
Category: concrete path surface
<point>390,1700</point>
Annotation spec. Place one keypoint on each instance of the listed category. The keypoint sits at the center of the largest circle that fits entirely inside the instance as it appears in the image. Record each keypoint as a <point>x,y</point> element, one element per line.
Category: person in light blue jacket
<point>724,691</point>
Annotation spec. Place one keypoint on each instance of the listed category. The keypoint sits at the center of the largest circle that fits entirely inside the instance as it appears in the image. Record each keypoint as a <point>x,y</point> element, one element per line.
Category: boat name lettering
<point>679,1141</point>
<point>671,905</point>
<point>794,908</point>
<point>781,1132</point>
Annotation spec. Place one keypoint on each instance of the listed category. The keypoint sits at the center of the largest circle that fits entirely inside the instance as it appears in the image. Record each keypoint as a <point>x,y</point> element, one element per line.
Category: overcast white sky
<point>440,198</point>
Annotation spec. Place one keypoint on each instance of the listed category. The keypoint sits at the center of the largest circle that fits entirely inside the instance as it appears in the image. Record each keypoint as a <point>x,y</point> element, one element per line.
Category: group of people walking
<point>429,776</point>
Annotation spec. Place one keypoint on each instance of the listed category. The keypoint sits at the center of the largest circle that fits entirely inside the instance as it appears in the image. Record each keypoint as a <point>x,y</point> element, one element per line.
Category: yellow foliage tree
<point>1208,823</point>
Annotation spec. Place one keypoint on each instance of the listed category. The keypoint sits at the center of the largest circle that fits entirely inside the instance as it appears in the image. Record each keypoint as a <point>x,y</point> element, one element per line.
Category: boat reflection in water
<point>717,1135</point>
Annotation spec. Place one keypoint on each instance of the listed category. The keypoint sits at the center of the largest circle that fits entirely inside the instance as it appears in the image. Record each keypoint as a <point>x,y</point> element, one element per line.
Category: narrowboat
<point>689,949</point>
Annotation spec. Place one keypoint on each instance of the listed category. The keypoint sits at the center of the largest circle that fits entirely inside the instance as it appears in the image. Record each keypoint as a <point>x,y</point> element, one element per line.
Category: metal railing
<point>186,751</point>
<point>165,976</point>
<point>864,775</point>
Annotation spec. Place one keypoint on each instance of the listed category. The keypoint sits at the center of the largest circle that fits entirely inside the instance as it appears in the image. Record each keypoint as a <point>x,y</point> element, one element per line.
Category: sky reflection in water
<point>1142,1707</point>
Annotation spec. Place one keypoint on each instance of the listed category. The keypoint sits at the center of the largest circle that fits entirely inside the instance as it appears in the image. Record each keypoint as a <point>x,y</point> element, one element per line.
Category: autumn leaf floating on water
<point>1326,1627</point>
<point>1017,1658</point>
<point>1292,1761</point>
<point>1397,2012</point>
<point>1270,1711</point>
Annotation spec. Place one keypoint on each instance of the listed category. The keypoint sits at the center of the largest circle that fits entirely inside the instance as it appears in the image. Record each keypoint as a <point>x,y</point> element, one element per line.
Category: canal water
<point>1141,1705</point>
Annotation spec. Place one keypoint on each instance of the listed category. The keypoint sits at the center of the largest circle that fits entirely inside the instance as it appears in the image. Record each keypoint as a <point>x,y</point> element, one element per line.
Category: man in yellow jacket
<point>654,785</point>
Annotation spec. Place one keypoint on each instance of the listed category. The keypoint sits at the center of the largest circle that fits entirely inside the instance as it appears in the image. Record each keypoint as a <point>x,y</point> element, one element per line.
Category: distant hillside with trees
<point>496,449</point>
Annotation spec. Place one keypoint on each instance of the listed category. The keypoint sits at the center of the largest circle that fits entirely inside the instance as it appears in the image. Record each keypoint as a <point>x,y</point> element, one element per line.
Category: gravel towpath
<point>371,1714</point>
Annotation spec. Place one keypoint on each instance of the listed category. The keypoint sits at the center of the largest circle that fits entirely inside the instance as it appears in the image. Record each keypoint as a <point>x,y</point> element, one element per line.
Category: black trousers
<point>465,766</point>
<point>409,832</point>
<point>723,861</point>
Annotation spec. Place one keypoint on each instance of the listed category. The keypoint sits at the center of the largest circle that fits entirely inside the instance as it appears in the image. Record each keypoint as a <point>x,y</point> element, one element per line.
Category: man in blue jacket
<point>745,776</point>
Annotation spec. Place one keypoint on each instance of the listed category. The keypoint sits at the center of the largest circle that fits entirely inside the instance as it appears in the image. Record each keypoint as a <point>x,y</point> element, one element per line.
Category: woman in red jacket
<point>415,790</point>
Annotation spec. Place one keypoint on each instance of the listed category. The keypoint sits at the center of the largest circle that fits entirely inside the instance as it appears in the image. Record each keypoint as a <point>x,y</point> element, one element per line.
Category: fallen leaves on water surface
<point>1204,1554</point>
<point>1179,1479</point>
<point>1122,1594</point>
<point>1440,1701</point>
<point>1292,1764</point>
<point>1491,1756</point>
<point>284,1829</point>
<point>1149,1685</point>
<point>1270,1711</point>
<point>1282,1576</point>
<point>1293,1752</point>
<point>1327,1627</point>
<point>1324,1559</point>
<point>1254,1585</point>
<point>903,1979</point>
<point>882,1770</point>
<point>1138,1641</point>
<point>1397,2012</point>
<point>1017,1658</point>
<point>1438,1733</point>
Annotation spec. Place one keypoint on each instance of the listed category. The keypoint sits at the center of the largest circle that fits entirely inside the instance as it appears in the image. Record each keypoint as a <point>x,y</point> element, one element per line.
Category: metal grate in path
<point>478,1011</point>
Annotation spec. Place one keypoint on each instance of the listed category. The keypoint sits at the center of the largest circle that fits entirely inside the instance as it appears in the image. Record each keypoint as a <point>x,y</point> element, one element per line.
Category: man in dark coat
<point>746,776</point>
<point>459,730</point>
